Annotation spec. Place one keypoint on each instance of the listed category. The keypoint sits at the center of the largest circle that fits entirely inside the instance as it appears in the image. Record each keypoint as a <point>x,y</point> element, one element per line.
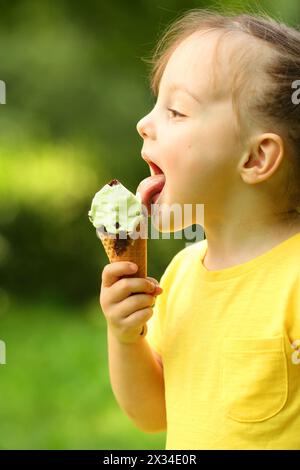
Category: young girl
<point>220,365</point>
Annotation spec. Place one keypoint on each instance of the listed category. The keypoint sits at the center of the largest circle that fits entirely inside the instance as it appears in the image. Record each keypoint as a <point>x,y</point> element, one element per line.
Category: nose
<point>144,127</point>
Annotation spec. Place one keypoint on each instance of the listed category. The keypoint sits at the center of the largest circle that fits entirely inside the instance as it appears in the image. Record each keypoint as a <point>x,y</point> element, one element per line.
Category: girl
<point>220,365</point>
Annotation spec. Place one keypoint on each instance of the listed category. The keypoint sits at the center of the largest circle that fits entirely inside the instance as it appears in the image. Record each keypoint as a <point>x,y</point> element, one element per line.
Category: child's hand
<point>126,314</point>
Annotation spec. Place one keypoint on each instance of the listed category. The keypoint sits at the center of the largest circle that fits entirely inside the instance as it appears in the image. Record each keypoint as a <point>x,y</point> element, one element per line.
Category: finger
<point>152,279</point>
<point>114,271</point>
<point>129,286</point>
<point>132,304</point>
<point>158,289</point>
<point>138,319</point>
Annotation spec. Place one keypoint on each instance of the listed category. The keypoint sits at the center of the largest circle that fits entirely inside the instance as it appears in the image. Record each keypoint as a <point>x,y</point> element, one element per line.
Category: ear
<point>262,159</point>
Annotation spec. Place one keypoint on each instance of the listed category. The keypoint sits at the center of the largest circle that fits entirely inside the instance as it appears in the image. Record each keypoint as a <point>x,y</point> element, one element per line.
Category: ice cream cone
<point>121,224</point>
<point>135,251</point>
<point>128,249</point>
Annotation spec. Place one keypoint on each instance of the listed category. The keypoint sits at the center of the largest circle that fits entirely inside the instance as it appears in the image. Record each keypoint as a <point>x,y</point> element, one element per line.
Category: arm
<point>137,381</point>
<point>158,358</point>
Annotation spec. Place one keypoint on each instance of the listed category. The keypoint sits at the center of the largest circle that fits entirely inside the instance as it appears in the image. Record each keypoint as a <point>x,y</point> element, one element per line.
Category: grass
<point>54,388</point>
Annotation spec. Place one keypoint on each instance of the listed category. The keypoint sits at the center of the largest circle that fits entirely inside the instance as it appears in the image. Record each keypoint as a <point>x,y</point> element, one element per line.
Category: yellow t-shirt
<point>230,346</point>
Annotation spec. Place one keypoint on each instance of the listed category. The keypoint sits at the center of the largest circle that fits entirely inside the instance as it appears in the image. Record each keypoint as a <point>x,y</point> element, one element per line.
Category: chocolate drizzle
<point>121,239</point>
<point>121,244</point>
<point>113,182</point>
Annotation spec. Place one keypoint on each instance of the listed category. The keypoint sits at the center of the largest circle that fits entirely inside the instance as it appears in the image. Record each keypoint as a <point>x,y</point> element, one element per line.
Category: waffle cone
<point>136,252</point>
<point>133,250</point>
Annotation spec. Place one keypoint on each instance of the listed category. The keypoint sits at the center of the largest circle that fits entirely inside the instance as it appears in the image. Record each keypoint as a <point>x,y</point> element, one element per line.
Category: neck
<point>237,240</point>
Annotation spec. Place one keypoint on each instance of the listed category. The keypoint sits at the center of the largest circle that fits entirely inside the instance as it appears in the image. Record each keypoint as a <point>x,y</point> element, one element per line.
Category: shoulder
<point>196,247</point>
<point>193,252</point>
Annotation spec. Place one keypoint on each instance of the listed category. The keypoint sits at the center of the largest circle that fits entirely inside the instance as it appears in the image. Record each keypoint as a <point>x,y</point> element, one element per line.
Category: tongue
<point>149,187</point>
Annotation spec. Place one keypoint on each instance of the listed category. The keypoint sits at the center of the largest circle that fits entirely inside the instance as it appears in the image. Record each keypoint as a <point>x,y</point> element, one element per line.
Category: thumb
<point>152,279</point>
<point>158,289</point>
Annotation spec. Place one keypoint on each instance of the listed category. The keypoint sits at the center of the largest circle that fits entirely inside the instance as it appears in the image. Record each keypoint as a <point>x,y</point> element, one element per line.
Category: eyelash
<point>175,112</point>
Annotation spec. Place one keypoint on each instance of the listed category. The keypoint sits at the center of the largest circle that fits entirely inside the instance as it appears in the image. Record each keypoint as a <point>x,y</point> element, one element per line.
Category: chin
<point>161,227</point>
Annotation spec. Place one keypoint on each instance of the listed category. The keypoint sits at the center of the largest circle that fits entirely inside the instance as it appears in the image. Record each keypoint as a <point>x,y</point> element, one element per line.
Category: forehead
<point>199,65</point>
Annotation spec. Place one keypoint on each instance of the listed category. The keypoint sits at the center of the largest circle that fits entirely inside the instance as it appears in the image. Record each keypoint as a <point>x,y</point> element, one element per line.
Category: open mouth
<point>151,187</point>
<point>155,169</point>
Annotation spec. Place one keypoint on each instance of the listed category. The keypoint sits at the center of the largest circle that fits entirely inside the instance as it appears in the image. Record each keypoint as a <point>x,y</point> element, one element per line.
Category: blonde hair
<point>265,97</point>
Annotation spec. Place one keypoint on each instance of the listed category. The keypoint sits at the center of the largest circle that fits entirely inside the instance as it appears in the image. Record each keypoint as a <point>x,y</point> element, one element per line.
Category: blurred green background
<point>76,86</point>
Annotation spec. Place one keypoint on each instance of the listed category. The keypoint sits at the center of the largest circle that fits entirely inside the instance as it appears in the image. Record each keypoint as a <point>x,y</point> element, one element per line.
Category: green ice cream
<point>116,209</point>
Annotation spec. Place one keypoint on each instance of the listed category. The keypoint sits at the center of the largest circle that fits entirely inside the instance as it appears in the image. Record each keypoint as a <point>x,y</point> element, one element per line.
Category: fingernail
<point>133,267</point>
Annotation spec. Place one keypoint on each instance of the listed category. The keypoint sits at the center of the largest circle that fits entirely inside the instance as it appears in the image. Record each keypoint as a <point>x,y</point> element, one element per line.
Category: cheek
<point>182,165</point>
<point>201,154</point>
<point>212,151</point>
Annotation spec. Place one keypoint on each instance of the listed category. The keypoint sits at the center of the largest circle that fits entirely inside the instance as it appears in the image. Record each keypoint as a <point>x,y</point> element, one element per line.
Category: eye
<point>175,113</point>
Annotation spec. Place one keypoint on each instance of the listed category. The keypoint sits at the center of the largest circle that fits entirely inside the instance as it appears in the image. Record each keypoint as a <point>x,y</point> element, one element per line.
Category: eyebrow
<point>177,86</point>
